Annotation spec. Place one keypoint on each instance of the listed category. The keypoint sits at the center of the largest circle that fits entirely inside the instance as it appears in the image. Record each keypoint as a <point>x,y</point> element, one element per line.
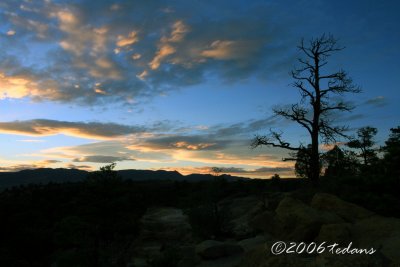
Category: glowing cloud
<point>164,51</point>
<point>179,30</point>
<point>19,86</point>
<point>127,40</point>
<point>30,165</point>
<point>136,56</point>
<point>101,159</point>
<point>10,33</point>
<point>143,75</point>
<point>90,130</point>
<point>15,86</point>
<point>189,146</point>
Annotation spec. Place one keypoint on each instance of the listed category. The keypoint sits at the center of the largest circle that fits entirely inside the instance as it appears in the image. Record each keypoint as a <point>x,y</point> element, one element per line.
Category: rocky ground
<point>253,224</point>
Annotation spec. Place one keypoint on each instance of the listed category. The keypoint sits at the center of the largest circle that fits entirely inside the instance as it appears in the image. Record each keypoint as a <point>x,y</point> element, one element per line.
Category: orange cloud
<point>186,145</point>
<point>26,165</point>
<point>164,51</point>
<point>15,86</point>
<point>19,86</point>
<point>127,40</point>
<point>179,30</point>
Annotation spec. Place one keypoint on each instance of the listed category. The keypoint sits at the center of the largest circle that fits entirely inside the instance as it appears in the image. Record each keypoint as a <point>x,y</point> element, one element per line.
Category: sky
<point>179,85</point>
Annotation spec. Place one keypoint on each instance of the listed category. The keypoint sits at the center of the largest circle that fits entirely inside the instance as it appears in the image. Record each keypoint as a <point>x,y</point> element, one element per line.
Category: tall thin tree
<point>320,98</point>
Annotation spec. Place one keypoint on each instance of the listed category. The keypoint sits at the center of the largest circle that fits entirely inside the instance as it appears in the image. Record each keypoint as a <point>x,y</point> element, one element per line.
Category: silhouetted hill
<point>47,175</point>
<point>40,176</point>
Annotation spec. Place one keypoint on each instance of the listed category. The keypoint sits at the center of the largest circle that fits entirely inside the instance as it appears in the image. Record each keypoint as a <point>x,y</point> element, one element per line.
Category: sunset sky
<point>179,85</point>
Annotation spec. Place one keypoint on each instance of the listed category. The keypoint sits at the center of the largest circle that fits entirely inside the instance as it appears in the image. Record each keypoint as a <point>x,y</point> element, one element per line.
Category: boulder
<point>301,222</point>
<point>211,249</point>
<point>139,262</point>
<point>238,212</point>
<point>381,233</point>
<point>251,243</point>
<point>266,222</point>
<point>188,256</point>
<point>165,225</point>
<point>335,233</point>
<point>231,261</point>
<point>348,211</point>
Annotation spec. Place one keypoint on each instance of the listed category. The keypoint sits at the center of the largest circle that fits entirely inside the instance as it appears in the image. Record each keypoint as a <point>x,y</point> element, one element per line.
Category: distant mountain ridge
<point>60,175</point>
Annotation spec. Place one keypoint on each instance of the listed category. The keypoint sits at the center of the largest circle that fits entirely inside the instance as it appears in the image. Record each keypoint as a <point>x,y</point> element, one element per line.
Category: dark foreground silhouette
<point>104,220</point>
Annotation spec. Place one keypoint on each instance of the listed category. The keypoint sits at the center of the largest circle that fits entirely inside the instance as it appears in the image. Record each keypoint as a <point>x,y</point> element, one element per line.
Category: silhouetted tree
<point>106,175</point>
<point>365,143</point>
<point>216,171</point>
<point>318,93</point>
<point>275,177</point>
<point>339,162</point>
<point>302,167</point>
<point>392,152</point>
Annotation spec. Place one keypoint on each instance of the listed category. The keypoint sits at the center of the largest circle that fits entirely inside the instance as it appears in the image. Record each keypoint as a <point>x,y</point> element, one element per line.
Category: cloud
<point>379,101</point>
<point>164,51</point>
<point>225,49</point>
<point>166,48</point>
<point>188,142</point>
<point>34,165</point>
<point>130,39</point>
<point>10,33</point>
<point>135,50</point>
<point>101,159</point>
<point>159,144</point>
<point>23,85</point>
<point>18,167</point>
<point>90,130</point>
<point>79,167</point>
<point>31,140</point>
<point>179,30</point>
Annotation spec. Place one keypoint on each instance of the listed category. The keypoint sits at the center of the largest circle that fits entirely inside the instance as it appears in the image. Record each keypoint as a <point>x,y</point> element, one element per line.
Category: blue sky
<point>178,85</point>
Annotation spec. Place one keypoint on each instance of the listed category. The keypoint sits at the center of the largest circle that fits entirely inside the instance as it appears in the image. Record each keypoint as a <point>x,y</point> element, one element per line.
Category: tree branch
<point>274,140</point>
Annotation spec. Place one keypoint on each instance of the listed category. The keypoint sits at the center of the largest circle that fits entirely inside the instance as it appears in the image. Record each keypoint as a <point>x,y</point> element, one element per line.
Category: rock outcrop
<point>211,249</point>
<point>347,211</point>
<point>254,228</point>
<point>328,219</point>
<point>239,212</point>
<point>166,225</point>
<point>301,222</point>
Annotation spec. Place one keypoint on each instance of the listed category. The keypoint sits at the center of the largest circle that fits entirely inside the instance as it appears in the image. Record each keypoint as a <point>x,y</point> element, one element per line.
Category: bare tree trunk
<point>315,168</point>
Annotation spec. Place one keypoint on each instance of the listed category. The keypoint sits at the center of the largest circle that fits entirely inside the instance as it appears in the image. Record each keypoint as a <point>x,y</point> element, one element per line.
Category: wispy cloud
<point>101,159</point>
<point>90,130</point>
<point>33,165</point>
<point>79,167</point>
<point>379,101</point>
<point>31,140</point>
